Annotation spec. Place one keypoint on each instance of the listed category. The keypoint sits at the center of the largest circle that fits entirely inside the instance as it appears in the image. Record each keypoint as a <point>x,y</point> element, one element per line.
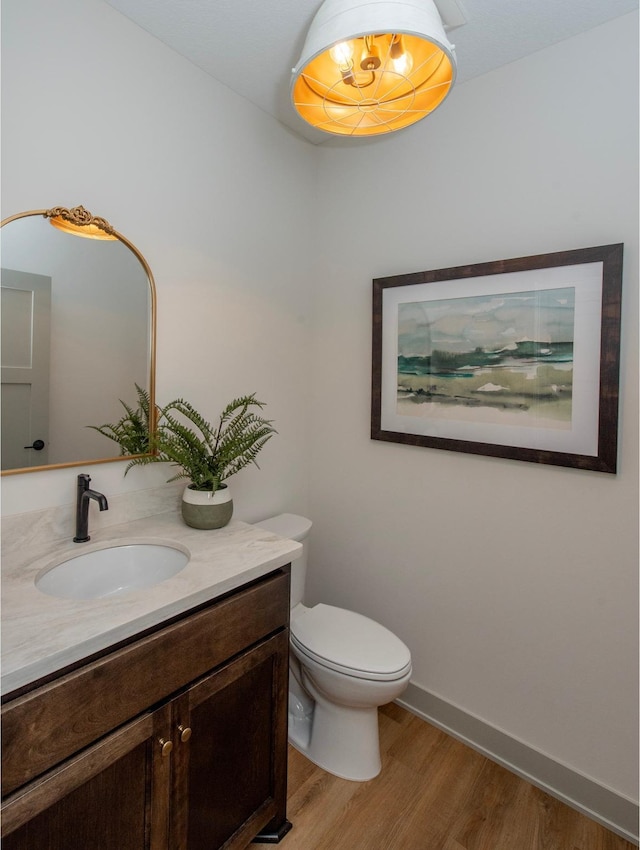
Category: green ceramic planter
<point>204,509</point>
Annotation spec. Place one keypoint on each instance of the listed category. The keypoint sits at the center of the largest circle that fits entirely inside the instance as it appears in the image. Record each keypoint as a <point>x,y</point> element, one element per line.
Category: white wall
<point>514,584</point>
<point>212,191</point>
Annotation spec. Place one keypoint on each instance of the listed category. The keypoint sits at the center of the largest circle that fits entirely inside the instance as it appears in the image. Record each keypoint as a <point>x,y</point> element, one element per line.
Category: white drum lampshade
<point>372,66</point>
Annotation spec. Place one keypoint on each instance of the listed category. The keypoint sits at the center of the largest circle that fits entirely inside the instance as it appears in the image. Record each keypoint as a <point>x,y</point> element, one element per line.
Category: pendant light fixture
<point>372,66</point>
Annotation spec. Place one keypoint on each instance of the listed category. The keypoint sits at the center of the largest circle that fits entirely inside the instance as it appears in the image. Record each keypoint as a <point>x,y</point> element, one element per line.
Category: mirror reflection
<point>78,321</point>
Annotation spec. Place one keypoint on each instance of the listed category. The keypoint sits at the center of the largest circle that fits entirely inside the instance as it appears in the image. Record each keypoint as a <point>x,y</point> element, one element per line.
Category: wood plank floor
<point>434,793</point>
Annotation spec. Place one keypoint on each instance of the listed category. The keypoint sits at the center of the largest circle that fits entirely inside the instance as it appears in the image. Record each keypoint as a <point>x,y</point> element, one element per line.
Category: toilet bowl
<point>342,667</point>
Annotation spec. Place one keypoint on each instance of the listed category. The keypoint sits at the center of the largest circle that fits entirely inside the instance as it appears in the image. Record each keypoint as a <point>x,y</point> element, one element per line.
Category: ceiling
<point>252,45</point>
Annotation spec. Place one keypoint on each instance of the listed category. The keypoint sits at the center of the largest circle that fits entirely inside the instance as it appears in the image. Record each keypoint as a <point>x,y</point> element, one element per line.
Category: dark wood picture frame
<point>592,277</point>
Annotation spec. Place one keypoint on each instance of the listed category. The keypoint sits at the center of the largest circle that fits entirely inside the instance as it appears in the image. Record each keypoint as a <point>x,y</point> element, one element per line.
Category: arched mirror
<point>78,338</point>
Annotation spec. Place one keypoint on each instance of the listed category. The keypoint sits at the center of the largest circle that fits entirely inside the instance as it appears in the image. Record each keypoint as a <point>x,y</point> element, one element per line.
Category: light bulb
<point>403,64</point>
<point>401,59</point>
<point>341,54</point>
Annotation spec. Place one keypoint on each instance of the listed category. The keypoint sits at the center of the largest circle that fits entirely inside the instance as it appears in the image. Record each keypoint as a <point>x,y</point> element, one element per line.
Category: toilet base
<point>341,740</point>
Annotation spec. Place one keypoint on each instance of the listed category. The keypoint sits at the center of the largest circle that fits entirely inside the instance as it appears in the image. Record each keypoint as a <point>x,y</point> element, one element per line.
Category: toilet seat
<point>349,643</point>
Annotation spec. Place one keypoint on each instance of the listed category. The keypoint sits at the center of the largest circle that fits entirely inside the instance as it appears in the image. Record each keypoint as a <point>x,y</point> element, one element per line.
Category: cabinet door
<point>230,775</point>
<point>113,796</point>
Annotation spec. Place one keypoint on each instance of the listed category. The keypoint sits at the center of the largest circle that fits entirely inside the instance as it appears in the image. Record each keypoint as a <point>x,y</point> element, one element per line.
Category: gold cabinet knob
<point>185,733</point>
<point>165,747</point>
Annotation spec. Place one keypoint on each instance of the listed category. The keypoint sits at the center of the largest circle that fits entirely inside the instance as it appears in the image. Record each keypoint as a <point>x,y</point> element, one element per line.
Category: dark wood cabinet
<point>236,726</point>
<point>203,766</point>
<point>112,796</point>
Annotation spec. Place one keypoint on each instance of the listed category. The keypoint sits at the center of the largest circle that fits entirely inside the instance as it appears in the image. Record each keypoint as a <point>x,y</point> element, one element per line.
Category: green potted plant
<point>133,431</point>
<point>206,455</point>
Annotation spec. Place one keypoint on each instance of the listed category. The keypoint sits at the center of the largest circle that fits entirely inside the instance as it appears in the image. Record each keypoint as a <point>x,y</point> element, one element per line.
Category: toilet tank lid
<point>293,526</point>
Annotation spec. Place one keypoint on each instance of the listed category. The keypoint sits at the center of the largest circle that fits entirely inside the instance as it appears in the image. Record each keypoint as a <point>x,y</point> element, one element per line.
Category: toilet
<point>342,667</point>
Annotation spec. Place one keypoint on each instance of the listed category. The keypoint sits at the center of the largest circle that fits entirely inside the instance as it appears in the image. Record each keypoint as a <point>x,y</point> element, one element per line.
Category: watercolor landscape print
<point>514,358</point>
<point>504,358</point>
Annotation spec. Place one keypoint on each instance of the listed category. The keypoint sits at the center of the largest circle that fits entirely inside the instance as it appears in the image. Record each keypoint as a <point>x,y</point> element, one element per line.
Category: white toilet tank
<point>295,528</point>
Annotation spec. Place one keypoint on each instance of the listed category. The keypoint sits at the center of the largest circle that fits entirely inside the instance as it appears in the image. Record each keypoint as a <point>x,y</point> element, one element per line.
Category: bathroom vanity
<point>165,726</point>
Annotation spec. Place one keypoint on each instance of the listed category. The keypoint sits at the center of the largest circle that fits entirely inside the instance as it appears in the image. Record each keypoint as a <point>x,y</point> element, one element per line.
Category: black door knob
<point>38,445</point>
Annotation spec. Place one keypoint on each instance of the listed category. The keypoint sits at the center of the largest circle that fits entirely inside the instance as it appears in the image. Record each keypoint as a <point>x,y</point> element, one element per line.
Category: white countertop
<point>42,634</point>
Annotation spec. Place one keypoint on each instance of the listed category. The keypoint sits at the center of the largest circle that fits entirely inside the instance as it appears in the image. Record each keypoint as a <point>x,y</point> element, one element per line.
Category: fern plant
<point>133,431</point>
<point>208,455</point>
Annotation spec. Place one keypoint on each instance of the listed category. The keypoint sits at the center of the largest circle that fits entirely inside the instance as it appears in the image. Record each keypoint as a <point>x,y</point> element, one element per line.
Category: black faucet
<point>82,507</point>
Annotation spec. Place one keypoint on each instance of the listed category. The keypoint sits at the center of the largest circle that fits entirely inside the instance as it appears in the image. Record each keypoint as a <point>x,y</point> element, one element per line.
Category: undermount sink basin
<point>113,570</point>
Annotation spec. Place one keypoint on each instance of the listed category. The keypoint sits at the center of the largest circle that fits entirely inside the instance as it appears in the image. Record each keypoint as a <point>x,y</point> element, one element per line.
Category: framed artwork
<point>515,358</point>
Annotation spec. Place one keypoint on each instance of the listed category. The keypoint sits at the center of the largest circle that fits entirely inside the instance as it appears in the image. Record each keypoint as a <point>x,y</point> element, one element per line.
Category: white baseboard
<point>614,811</point>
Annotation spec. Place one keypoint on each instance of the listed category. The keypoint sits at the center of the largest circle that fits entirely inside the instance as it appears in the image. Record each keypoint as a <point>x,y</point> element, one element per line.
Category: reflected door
<point>25,313</point>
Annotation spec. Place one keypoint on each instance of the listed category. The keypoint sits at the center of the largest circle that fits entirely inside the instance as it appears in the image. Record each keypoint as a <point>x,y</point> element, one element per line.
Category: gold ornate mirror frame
<point>81,222</point>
